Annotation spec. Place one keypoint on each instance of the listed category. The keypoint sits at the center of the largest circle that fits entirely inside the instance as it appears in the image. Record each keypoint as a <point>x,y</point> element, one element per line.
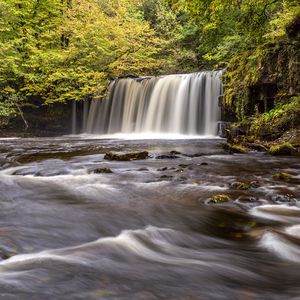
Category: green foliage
<point>69,50</point>
<point>279,119</point>
<point>62,50</point>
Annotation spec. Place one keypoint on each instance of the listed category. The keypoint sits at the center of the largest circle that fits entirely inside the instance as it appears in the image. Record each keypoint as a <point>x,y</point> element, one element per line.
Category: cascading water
<point>177,104</point>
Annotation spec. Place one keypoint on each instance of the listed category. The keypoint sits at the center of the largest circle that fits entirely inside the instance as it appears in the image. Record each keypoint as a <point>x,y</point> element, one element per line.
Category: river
<point>147,230</point>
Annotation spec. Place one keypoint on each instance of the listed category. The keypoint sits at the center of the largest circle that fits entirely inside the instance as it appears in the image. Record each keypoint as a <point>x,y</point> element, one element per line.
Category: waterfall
<point>179,104</point>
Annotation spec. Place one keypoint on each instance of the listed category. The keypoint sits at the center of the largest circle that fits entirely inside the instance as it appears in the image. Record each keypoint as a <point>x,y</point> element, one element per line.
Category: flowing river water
<point>147,230</point>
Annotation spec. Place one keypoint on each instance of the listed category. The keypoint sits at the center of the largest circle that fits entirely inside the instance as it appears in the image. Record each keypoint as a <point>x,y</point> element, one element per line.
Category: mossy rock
<point>257,147</point>
<point>235,148</point>
<point>282,176</point>
<point>244,186</point>
<point>241,186</point>
<point>284,148</point>
<point>126,156</point>
<point>221,198</point>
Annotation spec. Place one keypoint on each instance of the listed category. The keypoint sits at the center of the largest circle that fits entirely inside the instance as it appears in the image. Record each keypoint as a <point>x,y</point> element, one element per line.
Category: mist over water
<point>176,104</point>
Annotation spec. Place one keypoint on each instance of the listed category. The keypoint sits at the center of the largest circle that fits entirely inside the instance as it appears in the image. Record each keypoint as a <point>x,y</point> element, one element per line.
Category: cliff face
<point>262,87</point>
<point>50,120</point>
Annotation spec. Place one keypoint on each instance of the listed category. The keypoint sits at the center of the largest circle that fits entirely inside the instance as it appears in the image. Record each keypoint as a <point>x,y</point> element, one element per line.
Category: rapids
<point>146,230</point>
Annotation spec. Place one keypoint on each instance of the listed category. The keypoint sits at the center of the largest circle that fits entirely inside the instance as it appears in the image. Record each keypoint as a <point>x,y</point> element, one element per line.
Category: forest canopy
<point>66,50</point>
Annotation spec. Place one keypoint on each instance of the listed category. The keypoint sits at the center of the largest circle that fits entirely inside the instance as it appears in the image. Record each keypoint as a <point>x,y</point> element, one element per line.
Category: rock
<point>283,198</point>
<point>103,171</point>
<point>143,169</point>
<point>221,198</point>
<point>173,152</point>
<point>162,169</point>
<point>240,185</point>
<point>194,155</point>
<point>183,166</point>
<point>292,136</point>
<point>166,156</point>
<point>282,176</point>
<point>254,184</point>
<point>284,148</point>
<point>235,148</point>
<point>126,156</point>
<point>246,198</point>
<point>169,177</point>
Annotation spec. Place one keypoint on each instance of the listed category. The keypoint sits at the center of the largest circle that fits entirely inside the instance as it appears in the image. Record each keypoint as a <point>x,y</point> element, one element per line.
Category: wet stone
<point>162,169</point>
<point>102,171</point>
<point>288,198</point>
<point>173,152</point>
<point>246,198</point>
<point>166,156</point>
<point>142,169</point>
<point>126,156</point>
<point>183,166</point>
<point>168,177</point>
<point>194,155</point>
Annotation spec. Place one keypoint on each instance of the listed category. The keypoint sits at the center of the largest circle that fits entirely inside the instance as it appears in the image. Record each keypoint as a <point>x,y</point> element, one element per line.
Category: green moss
<point>284,148</point>
<point>235,148</point>
<point>282,176</point>
<point>244,186</point>
<point>220,198</point>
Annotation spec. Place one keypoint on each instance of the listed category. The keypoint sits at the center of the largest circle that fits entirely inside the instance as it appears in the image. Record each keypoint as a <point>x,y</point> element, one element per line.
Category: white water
<point>174,104</point>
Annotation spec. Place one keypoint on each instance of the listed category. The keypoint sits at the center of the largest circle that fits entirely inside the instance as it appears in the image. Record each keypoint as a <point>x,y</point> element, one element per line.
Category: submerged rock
<point>173,152</point>
<point>246,199</point>
<point>282,176</point>
<point>168,177</point>
<point>126,156</point>
<point>144,169</point>
<point>102,171</point>
<point>162,169</point>
<point>287,198</point>
<point>166,156</point>
<point>183,166</point>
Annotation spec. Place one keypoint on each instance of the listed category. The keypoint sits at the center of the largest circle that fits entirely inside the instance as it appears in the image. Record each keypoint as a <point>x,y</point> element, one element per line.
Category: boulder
<point>284,148</point>
<point>126,156</point>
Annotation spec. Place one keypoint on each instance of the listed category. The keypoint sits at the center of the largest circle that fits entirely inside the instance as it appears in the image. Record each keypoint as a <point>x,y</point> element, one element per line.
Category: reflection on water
<point>146,230</point>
